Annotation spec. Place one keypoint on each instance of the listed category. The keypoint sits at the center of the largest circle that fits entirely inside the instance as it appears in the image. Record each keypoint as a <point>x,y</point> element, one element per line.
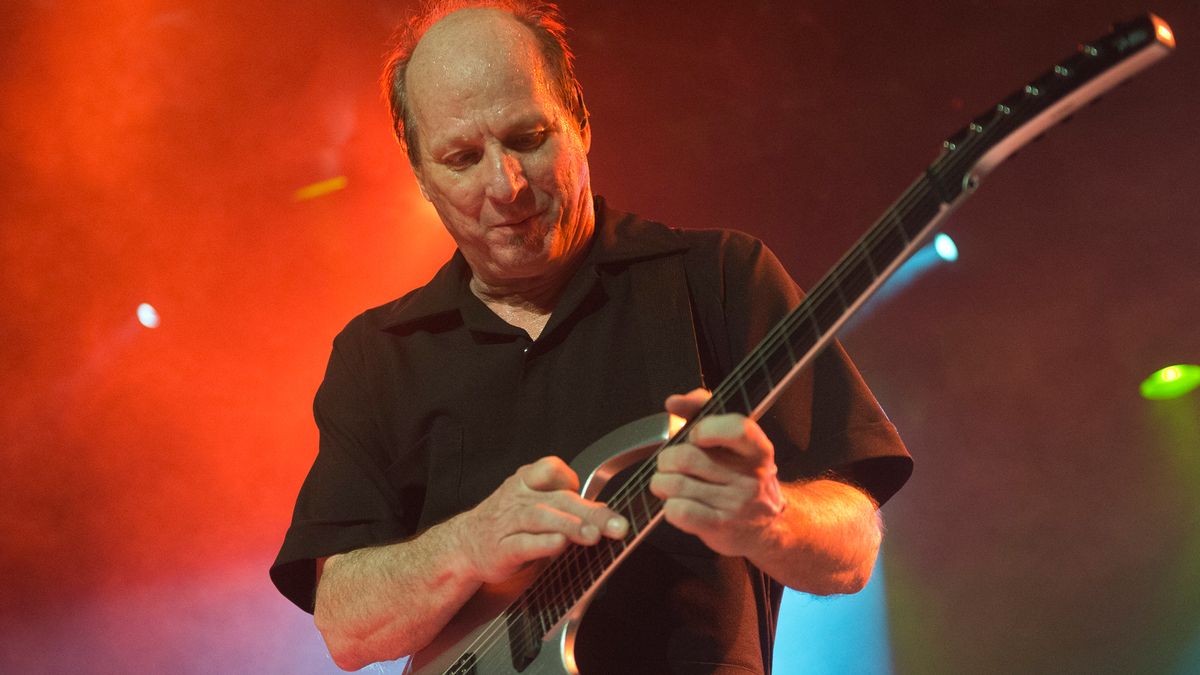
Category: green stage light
<point>1171,382</point>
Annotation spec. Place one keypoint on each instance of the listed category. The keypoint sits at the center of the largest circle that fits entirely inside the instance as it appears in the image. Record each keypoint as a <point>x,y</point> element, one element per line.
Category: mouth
<point>519,224</point>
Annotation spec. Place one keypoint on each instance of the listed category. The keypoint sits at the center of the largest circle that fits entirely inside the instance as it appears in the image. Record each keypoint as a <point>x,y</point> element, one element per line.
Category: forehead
<point>476,63</point>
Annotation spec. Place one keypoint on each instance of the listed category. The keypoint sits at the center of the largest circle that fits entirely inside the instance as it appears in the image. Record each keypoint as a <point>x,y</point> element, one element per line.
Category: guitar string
<point>915,195</point>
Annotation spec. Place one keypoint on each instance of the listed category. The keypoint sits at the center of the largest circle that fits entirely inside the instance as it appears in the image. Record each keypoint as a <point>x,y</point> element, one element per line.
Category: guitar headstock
<point>1095,68</point>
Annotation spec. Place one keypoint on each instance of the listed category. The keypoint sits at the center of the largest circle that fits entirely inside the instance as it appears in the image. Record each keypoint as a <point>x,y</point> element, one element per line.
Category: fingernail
<point>616,526</point>
<point>590,531</point>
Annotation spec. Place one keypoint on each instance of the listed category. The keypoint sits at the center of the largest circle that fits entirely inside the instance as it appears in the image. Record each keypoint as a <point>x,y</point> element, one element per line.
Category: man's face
<point>500,158</point>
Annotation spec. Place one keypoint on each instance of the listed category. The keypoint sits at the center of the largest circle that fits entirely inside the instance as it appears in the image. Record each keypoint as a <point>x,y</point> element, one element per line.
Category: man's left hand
<point>721,484</point>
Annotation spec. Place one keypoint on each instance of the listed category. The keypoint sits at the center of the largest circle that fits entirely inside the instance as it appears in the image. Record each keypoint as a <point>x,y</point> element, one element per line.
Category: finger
<point>592,514</point>
<point>692,516</point>
<point>737,433</point>
<point>544,519</point>
<point>667,486</point>
<point>523,547</point>
<point>692,461</point>
<point>549,473</point>
<point>687,405</point>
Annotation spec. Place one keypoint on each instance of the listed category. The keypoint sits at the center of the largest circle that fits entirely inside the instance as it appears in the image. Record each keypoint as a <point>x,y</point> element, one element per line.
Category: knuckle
<point>527,519</point>
<point>675,458</point>
<point>673,509</point>
<point>747,427</point>
<point>666,458</point>
<point>683,458</point>
<point>662,483</point>
<point>541,469</point>
<point>551,463</point>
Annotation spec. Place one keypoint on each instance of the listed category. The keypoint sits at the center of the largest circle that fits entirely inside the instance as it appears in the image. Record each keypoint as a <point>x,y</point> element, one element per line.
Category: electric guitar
<point>528,623</point>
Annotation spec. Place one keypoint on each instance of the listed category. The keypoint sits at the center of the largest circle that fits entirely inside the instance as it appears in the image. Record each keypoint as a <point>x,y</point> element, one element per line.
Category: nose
<point>506,179</point>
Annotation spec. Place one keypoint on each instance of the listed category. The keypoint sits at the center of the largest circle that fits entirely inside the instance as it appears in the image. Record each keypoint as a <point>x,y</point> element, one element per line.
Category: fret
<point>756,384</point>
<point>826,311</point>
<point>779,361</point>
<point>593,556</point>
<point>889,242</point>
<point>838,293</point>
<point>920,212</point>
<point>765,370</point>
<point>578,570</point>
<point>635,528</point>
<point>811,329</point>
<point>645,505</point>
<point>791,333</point>
<point>897,222</point>
<point>607,550</point>
<point>856,276</point>
<point>745,399</point>
<point>941,190</point>
<point>864,249</point>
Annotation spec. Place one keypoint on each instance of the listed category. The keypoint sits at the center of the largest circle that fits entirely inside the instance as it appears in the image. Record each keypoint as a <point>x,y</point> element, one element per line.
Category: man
<point>448,416</point>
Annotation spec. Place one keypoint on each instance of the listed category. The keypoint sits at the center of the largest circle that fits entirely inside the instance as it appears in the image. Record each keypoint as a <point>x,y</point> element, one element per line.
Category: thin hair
<point>543,19</point>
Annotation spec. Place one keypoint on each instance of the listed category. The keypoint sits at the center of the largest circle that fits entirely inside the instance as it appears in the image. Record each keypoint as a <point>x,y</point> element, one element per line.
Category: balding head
<point>473,53</point>
<point>478,31</point>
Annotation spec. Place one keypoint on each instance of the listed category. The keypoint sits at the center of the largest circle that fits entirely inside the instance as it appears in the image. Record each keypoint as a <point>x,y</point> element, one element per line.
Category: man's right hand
<point>534,514</point>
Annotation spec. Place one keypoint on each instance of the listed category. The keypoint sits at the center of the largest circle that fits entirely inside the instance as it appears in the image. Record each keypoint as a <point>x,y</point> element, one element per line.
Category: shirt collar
<point>619,238</point>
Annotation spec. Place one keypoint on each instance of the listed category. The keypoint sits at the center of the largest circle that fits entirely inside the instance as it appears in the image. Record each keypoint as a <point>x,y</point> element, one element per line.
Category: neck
<point>535,294</point>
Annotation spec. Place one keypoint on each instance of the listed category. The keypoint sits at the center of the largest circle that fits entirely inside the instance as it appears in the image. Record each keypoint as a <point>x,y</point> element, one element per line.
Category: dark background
<point>151,151</point>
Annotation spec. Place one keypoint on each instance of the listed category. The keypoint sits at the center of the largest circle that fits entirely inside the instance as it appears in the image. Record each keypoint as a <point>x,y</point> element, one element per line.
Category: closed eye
<point>527,141</point>
<point>462,160</point>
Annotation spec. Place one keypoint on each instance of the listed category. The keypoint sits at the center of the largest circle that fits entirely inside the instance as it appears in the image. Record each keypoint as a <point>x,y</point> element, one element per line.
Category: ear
<point>585,127</point>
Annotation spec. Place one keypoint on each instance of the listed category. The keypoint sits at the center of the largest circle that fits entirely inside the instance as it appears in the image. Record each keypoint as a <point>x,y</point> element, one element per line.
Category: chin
<point>520,267</point>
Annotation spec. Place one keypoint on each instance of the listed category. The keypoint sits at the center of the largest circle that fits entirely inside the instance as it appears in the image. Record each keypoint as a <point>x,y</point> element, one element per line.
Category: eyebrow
<point>521,124</point>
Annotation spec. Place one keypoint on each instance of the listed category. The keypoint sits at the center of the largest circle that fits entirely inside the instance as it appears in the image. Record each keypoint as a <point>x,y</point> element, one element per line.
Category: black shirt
<point>431,401</point>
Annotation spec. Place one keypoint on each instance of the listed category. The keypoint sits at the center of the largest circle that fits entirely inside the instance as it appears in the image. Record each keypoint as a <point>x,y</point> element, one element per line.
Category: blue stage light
<point>945,247</point>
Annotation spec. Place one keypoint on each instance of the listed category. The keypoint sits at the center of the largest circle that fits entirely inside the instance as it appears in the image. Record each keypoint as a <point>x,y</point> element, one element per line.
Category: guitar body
<point>463,646</point>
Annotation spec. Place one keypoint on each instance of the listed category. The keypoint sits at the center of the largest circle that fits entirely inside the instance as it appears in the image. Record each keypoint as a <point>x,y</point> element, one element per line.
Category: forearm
<point>824,541</point>
<point>388,601</point>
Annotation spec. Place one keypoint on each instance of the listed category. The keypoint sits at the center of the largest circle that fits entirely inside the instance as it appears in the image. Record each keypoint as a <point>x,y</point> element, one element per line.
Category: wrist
<point>774,532</point>
<point>459,547</point>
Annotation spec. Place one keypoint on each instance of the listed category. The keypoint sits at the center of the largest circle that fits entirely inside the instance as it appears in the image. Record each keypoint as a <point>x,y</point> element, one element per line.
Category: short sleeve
<point>346,501</point>
<point>826,423</point>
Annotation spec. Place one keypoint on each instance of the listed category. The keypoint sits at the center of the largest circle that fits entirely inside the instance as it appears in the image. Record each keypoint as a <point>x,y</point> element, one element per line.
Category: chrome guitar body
<point>476,641</point>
